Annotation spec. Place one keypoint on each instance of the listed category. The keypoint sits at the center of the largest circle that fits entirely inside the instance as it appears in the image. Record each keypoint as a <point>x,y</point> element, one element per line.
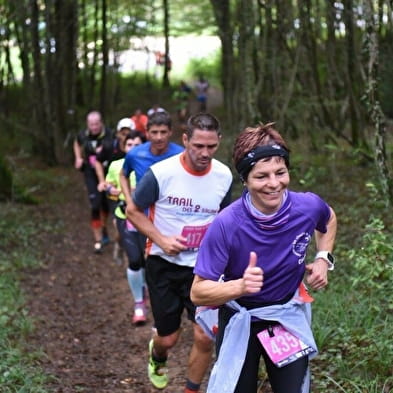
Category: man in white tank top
<point>183,193</point>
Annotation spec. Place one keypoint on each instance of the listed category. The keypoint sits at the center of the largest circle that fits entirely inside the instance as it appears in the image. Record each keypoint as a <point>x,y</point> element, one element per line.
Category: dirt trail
<point>83,308</point>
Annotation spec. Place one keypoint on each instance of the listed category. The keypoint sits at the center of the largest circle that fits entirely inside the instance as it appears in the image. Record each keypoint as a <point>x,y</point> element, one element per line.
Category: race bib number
<point>281,346</point>
<point>194,235</point>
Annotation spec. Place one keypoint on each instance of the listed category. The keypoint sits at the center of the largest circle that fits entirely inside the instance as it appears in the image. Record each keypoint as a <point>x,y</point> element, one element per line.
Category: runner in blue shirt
<point>251,264</point>
<point>139,160</point>
<point>157,148</point>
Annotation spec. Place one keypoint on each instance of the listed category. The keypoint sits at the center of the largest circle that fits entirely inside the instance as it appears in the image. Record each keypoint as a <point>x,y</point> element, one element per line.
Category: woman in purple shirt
<point>254,253</point>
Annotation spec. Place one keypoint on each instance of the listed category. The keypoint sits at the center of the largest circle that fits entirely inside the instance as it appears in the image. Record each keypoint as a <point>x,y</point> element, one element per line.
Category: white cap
<point>126,123</point>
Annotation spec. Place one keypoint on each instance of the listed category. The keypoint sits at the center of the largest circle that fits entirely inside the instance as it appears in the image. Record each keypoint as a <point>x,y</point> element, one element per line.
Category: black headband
<point>245,165</point>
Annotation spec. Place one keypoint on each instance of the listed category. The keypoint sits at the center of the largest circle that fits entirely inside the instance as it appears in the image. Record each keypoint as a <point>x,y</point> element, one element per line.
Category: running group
<point>237,268</point>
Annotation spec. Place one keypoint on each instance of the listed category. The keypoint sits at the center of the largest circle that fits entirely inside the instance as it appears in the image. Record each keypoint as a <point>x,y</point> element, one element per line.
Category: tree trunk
<point>312,51</point>
<point>283,59</point>
<point>248,114</point>
<point>222,14</point>
<point>373,104</point>
<point>267,47</point>
<point>335,85</point>
<point>22,36</point>
<point>8,70</point>
<point>40,101</point>
<point>82,78</point>
<point>105,60</point>
<point>7,76</point>
<point>65,32</point>
<point>91,89</point>
<point>351,73</point>
<point>167,60</point>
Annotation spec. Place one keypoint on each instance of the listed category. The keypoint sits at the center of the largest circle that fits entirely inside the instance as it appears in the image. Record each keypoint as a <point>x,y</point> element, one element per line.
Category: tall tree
<point>65,33</point>
<point>7,76</point>
<point>247,77</point>
<point>309,40</point>
<point>105,59</point>
<point>41,102</point>
<point>19,14</point>
<point>222,13</point>
<point>92,66</point>
<point>372,99</point>
<point>352,71</point>
<point>167,60</point>
<point>334,81</point>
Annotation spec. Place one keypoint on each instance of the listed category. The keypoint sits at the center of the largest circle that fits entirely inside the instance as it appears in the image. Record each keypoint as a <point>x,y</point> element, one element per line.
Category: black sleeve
<point>147,191</point>
<point>107,151</point>
<point>227,199</point>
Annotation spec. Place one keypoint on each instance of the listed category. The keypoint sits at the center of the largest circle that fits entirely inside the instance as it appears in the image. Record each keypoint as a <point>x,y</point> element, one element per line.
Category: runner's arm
<point>145,195</point>
<point>317,276</point>
<point>99,168</point>
<point>78,155</point>
<point>206,292</point>
<point>325,241</point>
<point>125,186</point>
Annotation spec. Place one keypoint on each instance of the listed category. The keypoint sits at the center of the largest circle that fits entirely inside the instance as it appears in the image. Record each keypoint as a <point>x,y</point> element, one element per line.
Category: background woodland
<point>320,69</point>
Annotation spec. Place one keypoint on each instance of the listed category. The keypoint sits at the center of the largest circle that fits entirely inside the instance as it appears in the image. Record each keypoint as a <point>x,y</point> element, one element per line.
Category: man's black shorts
<point>169,289</point>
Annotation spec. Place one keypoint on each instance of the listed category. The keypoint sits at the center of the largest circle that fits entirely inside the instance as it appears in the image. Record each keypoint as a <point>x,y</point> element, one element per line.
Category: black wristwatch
<point>328,257</point>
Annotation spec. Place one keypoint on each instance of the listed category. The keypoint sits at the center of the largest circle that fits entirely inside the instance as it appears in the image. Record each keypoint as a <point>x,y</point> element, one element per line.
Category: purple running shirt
<point>280,242</point>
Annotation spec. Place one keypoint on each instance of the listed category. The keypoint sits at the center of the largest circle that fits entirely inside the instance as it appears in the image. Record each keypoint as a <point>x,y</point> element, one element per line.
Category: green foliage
<point>373,262</point>
<point>9,189</point>
<point>378,385</point>
<point>209,67</point>
<point>135,90</point>
<point>36,183</point>
<point>19,371</point>
<point>197,18</point>
<point>353,319</point>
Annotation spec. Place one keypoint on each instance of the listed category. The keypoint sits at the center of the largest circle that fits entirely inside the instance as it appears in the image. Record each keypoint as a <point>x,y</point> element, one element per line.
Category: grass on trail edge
<point>19,366</point>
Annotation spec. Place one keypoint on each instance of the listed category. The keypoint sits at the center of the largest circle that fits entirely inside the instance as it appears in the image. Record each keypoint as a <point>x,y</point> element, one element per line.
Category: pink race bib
<point>281,346</point>
<point>194,235</point>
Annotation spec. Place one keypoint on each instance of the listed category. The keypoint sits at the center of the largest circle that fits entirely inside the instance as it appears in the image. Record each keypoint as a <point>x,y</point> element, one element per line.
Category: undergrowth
<point>19,367</point>
<point>22,228</point>
<point>352,317</point>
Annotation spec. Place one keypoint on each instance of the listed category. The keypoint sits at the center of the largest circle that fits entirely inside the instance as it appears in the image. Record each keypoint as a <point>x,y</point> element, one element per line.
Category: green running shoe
<point>158,373</point>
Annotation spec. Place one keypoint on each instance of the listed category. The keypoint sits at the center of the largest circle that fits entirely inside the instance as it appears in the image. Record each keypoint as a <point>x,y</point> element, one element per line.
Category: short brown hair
<point>202,121</point>
<point>251,137</point>
<point>159,119</point>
